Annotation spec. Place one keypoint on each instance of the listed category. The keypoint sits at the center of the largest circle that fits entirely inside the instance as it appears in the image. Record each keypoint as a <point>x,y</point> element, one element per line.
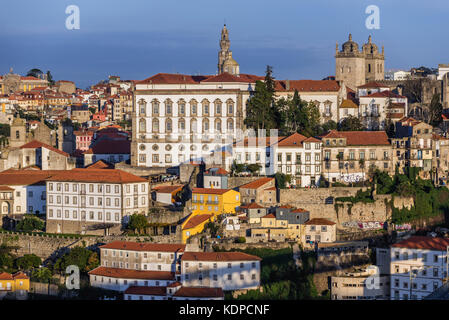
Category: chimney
<point>287,85</point>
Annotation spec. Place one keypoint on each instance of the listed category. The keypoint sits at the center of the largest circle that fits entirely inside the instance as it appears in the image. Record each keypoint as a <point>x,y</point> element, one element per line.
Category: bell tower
<point>225,61</point>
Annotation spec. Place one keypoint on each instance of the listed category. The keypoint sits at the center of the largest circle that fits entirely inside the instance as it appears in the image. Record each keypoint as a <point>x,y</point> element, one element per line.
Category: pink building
<point>83,139</point>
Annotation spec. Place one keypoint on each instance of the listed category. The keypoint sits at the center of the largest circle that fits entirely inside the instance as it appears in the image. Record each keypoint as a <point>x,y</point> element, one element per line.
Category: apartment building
<point>319,230</point>
<point>94,201</point>
<point>151,271</point>
<point>299,157</point>
<point>261,191</point>
<point>418,267</point>
<point>226,270</point>
<point>349,155</point>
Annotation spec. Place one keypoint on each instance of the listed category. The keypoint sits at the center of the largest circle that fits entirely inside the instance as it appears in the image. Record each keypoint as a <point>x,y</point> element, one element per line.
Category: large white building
<point>418,267</point>
<point>152,271</point>
<point>94,200</point>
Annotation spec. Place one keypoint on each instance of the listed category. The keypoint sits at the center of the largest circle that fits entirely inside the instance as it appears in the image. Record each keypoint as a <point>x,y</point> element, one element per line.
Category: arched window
<point>168,125</point>
<point>168,107</point>
<point>205,104</point>
<point>182,125</point>
<point>142,107</point>
<point>155,104</point>
<point>181,107</point>
<point>155,125</point>
<point>193,126</point>
<point>217,107</point>
<point>230,106</point>
<point>230,124</point>
<point>193,107</point>
<point>142,125</point>
<point>205,125</point>
<point>218,125</point>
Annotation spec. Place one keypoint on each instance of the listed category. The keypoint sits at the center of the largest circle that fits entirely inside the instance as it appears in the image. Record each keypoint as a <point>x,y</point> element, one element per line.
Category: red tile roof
<point>299,210</point>
<point>132,274</point>
<point>150,291</point>
<point>100,164</point>
<point>421,242</point>
<point>194,221</point>
<point>259,141</point>
<point>13,177</point>
<point>37,144</point>
<point>269,216</point>
<point>384,94</point>
<point>308,85</point>
<point>252,205</point>
<point>167,189</point>
<point>372,84</point>
<point>144,246</point>
<point>218,256</point>
<point>360,138</point>
<point>20,275</point>
<point>293,140</point>
<point>6,276</point>
<point>219,171</point>
<point>348,104</point>
<point>96,175</point>
<point>257,183</point>
<point>319,222</point>
<point>169,78</point>
<point>209,191</point>
<point>199,292</point>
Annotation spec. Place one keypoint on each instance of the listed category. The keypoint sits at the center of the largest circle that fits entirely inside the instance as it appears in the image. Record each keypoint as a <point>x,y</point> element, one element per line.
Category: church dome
<point>370,47</point>
<point>350,46</point>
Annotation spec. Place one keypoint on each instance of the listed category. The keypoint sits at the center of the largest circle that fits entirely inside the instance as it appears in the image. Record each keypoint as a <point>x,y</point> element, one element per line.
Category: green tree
<point>261,110</point>
<point>41,275</point>
<point>138,222</point>
<point>78,256</point>
<point>282,180</point>
<point>50,78</point>
<point>254,168</point>
<point>350,123</point>
<point>30,223</point>
<point>28,262</point>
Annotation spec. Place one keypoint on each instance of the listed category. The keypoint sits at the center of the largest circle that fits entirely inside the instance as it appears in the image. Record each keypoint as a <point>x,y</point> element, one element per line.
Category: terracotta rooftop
<point>37,144</point>
<point>199,292</point>
<point>252,205</point>
<point>167,189</point>
<point>218,256</point>
<point>209,191</point>
<point>132,274</point>
<point>20,275</point>
<point>151,291</point>
<point>96,175</point>
<point>360,138</point>
<point>384,94</point>
<point>269,216</point>
<point>100,164</point>
<point>257,183</point>
<point>258,141</point>
<point>421,242</point>
<point>348,104</point>
<point>308,85</point>
<point>170,78</point>
<point>196,220</point>
<point>144,246</point>
<point>6,276</point>
<point>293,140</point>
<point>217,171</point>
<point>14,177</point>
<point>319,222</point>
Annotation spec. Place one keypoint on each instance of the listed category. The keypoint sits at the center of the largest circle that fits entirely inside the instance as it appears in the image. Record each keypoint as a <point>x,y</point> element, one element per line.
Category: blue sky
<point>136,38</point>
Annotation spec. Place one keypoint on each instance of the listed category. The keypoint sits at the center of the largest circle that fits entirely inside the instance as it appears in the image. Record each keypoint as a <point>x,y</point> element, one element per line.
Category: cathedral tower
<point>225,61</point>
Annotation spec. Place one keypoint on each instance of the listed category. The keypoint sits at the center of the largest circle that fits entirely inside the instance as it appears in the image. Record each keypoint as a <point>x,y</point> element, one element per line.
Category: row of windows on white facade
<point>108,201</point>
<point>184,126</point>
<point>94,187</point>
<point>154,108</point>
<point>85,216</point>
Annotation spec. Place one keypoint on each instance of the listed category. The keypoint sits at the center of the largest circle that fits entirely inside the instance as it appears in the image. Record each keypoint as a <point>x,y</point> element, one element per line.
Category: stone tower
<point>18,135</point>
<point>374,62</point>
<point>225,61</point>
<point>356,67</point>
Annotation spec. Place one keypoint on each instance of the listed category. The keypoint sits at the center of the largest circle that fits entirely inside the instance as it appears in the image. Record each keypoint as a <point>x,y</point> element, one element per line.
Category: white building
<point>83,200</point>
<point>226,270</point>
<point>27,194</point>
<point>442,70</point>
<point>398,75</point>
<point>154,271</point>
<point>418,267</point>
<point>319,230</point>
<point>299,157</point>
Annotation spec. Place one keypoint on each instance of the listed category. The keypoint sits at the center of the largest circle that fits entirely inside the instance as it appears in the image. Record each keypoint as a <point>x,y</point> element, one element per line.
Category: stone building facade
<point>355,67</point>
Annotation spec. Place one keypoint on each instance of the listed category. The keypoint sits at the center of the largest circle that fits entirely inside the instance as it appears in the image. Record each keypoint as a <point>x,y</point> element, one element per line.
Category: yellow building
<point>215,201</point>
<point>14,282</point>
<point>194,224</point>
